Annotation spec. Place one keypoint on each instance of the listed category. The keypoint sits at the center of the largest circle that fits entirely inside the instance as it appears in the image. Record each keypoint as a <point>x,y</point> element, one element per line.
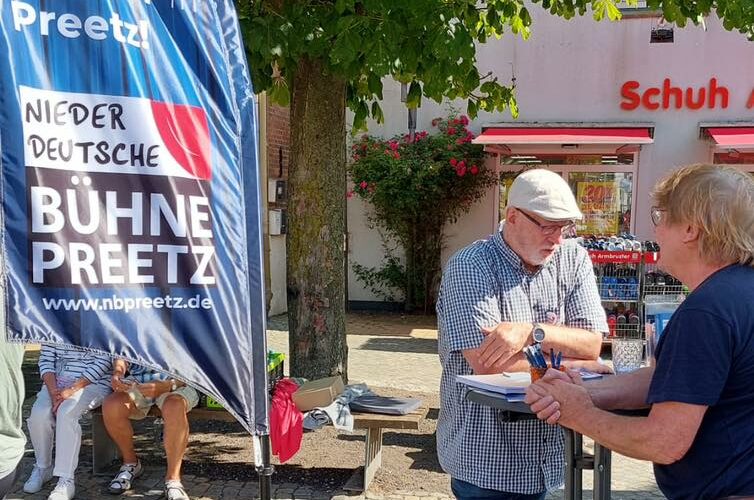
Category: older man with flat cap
<point>523,285</point>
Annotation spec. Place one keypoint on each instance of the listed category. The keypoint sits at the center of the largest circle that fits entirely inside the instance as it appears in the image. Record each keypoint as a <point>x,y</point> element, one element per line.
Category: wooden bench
<point>104,451</point>
<point>374,425</point>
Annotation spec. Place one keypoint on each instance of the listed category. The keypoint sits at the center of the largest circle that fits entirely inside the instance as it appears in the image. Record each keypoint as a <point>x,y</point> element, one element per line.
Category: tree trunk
<point>316,224</point>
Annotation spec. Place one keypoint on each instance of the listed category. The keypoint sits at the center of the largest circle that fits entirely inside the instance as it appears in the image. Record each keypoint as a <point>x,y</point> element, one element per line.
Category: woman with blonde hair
<point>700,429</point>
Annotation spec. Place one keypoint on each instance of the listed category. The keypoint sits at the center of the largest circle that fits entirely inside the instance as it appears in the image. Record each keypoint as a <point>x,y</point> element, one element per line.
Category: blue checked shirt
<point>484,284</point>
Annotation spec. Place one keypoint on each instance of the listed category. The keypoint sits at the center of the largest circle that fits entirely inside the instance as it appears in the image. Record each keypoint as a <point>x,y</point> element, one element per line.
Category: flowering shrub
<point>415,188</point>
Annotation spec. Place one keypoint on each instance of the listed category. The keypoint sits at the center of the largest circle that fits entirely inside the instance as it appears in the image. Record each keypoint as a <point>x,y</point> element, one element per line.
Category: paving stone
<point>197,489</point>
<point>230,492</point>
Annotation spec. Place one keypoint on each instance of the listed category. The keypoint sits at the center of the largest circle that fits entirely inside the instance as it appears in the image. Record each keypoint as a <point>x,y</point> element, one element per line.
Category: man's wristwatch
<point>538,333</point>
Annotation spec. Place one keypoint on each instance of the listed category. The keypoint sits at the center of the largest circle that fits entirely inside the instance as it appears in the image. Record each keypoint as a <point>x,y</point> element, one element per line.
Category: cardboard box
<point>318,393</point>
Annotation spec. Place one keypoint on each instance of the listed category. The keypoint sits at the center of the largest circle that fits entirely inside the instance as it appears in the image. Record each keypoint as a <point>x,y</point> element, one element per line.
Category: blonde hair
<point>719,201</point>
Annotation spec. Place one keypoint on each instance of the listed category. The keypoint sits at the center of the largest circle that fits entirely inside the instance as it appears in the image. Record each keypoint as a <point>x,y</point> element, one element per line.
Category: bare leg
<point>115,411</point>
<point>176,434</point>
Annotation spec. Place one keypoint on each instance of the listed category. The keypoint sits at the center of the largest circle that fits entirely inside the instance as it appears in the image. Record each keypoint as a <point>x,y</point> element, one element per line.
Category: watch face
<point>538,335</point>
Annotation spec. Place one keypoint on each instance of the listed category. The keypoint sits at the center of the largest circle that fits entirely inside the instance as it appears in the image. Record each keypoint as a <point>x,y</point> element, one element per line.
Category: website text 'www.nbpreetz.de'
<point>126,304</point>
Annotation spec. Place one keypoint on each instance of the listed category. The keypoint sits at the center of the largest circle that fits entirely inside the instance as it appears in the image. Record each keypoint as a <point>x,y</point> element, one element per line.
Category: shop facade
<point>601,105</point>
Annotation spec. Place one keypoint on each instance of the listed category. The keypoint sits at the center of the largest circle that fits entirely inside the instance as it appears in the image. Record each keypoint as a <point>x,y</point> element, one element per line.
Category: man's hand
<point>572,399</point>
<point>118,384</point>
<point>153,390</point>
<point>588,364</point>
<point>502,342</point>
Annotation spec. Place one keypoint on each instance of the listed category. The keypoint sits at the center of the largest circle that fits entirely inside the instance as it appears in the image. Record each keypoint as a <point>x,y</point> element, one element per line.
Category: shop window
<point>639,8</point>
<point>735,158</point>
<point>605,199</point>
<point>627,5</point>
<point>602,184</point>
<point>566,159</point>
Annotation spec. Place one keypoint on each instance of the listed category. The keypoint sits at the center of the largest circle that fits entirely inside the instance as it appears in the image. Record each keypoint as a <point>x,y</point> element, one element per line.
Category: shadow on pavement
<point>392,344</point>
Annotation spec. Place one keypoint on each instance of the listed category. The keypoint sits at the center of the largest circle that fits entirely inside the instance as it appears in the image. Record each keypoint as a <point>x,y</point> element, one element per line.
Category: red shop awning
<point>575,135</point>
<point>738,138</point>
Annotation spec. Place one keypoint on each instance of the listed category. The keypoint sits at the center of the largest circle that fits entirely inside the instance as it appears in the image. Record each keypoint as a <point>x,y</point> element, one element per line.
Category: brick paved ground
<point>374,342</point>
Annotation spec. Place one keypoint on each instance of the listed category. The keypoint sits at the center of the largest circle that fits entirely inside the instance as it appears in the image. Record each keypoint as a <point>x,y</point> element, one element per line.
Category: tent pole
<point>266,469</point>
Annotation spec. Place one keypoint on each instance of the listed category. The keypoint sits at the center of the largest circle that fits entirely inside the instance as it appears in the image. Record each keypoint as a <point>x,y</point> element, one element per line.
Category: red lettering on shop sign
<point>750,102</point>
<point>668,95</point>
<point>597,195</point>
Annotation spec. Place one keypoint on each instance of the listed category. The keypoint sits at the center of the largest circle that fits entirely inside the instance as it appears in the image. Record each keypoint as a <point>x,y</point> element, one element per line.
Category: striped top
<point>484,284</point>
<point>68,361</point>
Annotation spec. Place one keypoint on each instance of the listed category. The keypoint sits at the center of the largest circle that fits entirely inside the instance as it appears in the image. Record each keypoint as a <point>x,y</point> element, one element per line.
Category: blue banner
<point>130,193</point>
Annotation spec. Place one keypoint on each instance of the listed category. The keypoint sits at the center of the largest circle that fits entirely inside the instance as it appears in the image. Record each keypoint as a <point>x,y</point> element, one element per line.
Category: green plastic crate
<point>275,371</point>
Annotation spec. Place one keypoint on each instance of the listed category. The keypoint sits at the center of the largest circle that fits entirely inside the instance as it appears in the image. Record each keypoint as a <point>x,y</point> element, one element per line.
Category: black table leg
<point>602,465</point>
<point>573,452</point>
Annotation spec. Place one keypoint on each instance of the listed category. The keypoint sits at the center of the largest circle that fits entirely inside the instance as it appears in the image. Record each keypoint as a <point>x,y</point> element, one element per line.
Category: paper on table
<point>511,398</point>
<point>501,383</point>
<point>587,375</point>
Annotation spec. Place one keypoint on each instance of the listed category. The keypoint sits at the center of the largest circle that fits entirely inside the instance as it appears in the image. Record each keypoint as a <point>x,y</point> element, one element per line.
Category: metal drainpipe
<point>261,100</point>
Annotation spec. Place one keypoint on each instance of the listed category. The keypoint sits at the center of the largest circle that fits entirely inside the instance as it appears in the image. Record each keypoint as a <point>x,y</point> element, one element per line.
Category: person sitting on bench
<point>133,398</point>
<point>75,382</point>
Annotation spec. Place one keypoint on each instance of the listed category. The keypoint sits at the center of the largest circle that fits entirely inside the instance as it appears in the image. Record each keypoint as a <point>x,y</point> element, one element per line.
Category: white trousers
<point>63,428</point>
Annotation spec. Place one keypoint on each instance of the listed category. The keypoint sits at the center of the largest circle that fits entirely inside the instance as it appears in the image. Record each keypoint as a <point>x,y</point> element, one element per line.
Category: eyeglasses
<point>567,230</point>
<point>657,214</point>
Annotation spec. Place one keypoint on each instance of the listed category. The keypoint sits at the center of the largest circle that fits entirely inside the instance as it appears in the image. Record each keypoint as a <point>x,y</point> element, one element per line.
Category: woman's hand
<point>51,383</point>
<point>61,396</point>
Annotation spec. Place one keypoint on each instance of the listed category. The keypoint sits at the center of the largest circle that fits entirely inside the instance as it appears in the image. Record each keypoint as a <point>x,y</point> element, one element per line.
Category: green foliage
<point>415,188</point>
<point>386,281</point>
<point>428,44</point>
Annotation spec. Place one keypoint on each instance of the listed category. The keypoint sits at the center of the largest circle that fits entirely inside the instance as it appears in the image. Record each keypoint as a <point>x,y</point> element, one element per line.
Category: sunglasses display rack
<point>619,276</point>
<point>627,277</point>
<point>658,283</point>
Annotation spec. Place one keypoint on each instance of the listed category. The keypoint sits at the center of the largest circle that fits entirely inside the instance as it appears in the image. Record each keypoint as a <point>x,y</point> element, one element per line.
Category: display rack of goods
<point>657,282</point>
<point>618,268</point>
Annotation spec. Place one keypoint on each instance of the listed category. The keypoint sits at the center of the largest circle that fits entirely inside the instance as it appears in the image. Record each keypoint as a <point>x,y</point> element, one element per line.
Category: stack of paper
<point>500,383</point>
<point>508,383</point>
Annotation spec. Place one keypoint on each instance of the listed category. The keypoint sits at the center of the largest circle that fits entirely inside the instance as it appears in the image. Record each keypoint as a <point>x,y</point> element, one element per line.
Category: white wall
<point>572,71</point>
<point>279,302</point>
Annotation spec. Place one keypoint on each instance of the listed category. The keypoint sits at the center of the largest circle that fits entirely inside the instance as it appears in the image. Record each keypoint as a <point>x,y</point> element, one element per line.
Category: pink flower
<point>363,184</point>
<point>394,145</point>
<point>460,171</point>
<point>460,141</point>
<point>453,162</point>
<point>388,152</point>
<point>449,147</point>
<point>464,120</point>
<point>349,195</point>
<point>397,155</point>
<point>356,157</point>
<point>452,131</point>
<point>474,170</point>
<point>461,164</point>
<point>435,122</point>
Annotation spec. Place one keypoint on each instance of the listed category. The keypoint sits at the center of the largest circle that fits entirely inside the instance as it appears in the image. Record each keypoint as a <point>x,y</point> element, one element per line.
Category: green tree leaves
<point>429,44</point>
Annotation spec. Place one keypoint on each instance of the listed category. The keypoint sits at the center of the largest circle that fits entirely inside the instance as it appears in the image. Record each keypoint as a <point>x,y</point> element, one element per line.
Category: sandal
<point>174,490</point>
<point>122,482</point>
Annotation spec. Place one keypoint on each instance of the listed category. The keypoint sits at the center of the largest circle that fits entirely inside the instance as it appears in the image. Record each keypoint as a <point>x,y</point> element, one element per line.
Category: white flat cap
<point>544,193</point>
